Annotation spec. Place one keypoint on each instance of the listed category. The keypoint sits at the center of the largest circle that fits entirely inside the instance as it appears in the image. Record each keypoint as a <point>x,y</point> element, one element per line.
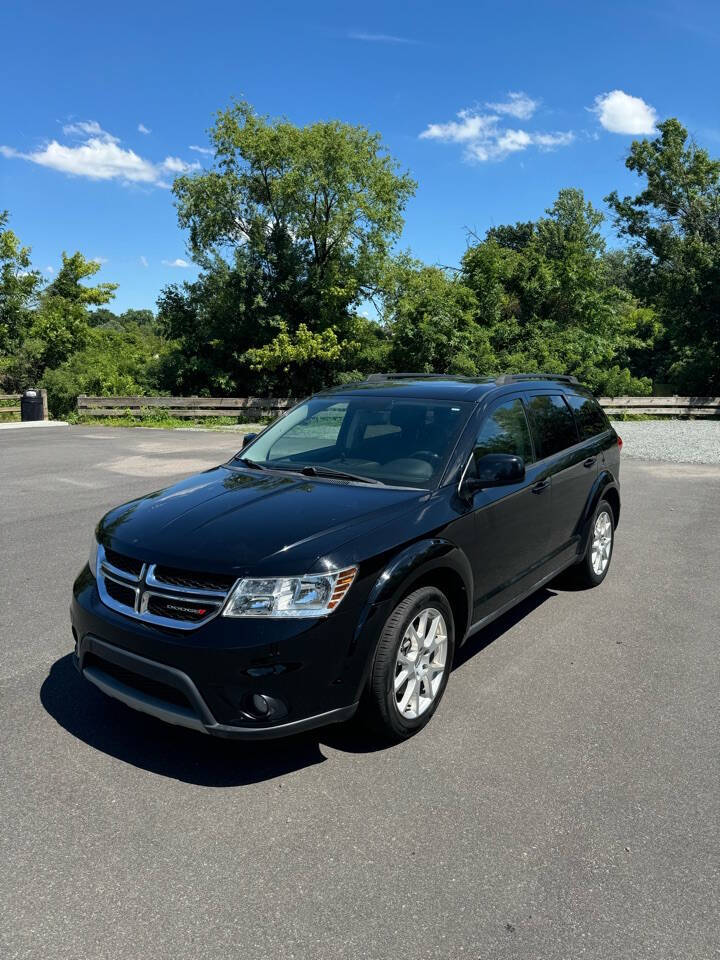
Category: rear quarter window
<point>589,416</point>
<point>552,422</point>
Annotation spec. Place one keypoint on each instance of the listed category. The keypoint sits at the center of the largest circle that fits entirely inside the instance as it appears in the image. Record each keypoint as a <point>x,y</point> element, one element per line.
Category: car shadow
<point>150,744</point>
<point>483,638</point>
<point>169,751</point>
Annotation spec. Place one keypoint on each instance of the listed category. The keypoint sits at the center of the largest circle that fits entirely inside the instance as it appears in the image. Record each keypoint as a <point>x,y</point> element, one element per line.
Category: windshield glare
<point>402,442</point>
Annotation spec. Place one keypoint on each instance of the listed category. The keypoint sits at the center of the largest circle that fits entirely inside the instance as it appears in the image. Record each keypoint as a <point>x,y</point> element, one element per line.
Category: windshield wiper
<point>253,464</point>
<point>312,471</point>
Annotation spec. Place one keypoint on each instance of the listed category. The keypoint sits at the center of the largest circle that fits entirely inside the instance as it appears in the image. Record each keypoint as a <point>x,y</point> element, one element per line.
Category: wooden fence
<point>197,407</point>
<point>663,406</point>
<point>191,407</point>
<point>14,407</point>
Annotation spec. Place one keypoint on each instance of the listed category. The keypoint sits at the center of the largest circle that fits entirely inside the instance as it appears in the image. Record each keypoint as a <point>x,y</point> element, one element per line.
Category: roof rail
<point>513,377</point>
<point>414,376</point>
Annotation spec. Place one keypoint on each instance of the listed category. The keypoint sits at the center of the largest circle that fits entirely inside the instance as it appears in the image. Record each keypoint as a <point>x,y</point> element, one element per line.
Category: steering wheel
<point>428,455</point>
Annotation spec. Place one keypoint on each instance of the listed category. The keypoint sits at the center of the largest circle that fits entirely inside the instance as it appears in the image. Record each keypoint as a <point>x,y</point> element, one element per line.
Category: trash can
<point>31,405</point>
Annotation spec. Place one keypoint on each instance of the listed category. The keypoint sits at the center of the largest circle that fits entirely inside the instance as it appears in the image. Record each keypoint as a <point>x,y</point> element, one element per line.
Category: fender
<point>410,564</point>
<point>603,482</point>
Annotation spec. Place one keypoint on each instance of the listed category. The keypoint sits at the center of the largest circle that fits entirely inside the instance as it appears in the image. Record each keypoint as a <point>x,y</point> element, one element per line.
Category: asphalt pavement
<point>563,803</point>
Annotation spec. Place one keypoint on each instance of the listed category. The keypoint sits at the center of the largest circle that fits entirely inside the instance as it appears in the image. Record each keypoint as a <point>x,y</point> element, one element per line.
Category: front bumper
<point>301,674</point>
<point>196,714</point>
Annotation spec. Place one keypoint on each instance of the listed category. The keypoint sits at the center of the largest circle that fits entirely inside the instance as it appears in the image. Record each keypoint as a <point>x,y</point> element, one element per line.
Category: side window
<point>504,430</point>
<point>553,424</point>
<point>589,416</point>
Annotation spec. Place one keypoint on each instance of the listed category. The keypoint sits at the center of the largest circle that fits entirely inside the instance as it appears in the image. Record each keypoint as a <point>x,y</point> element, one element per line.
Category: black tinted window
<point>553,425</point>
<point>505,430</point>
<point>589,417</point>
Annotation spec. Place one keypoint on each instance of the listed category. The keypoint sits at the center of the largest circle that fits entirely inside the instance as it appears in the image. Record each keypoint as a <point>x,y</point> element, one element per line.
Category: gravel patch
<point>679,441</point>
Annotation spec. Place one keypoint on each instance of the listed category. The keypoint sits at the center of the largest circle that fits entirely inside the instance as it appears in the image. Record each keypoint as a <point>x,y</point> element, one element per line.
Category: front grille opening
<point>119,593</point>
<point>126,564</point>
<point>196,581</point>
<point>179,608</point>
<point>152,688</point>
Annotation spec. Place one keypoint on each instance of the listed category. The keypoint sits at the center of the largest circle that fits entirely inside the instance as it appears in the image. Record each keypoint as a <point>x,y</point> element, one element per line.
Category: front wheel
<point>412,664</point>
<point>594,566</point>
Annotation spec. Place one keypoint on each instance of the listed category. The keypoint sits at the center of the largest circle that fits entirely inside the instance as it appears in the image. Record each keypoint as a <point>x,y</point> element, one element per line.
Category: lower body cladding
<point>243,678</point>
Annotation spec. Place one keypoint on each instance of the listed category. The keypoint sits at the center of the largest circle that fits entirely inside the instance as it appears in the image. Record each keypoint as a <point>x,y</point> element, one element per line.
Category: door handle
<point>540,486</point>
<point>589,462</point>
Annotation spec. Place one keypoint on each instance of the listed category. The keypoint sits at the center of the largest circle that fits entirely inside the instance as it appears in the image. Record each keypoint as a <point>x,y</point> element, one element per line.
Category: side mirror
<point>248,438</point>
<point>495,470</point>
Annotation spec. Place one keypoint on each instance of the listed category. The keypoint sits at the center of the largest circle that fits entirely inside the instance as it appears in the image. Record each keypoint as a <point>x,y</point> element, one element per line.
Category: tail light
<point>619,439</point>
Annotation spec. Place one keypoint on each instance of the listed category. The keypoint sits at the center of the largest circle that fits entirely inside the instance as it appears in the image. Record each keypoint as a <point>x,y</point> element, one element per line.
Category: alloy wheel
<point>601,542</point>
<point>420,664</point>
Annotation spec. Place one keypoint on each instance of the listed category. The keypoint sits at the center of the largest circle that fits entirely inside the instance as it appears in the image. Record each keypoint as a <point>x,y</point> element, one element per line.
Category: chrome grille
<point>164,596</point>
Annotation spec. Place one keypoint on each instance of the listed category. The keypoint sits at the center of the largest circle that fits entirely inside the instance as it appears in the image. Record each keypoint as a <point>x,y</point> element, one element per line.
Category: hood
<point>241,520</point>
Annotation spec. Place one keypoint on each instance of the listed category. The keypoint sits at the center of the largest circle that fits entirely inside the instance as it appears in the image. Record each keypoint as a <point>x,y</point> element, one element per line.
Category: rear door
<point>571,463</point>
<point>512,522</point>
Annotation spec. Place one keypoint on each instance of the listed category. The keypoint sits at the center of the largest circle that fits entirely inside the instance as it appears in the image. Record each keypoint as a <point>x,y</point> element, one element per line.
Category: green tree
<point>545,301</point>
<point>110,363</point>
<point>19,285</point>
<point>61,321</point>
<point>58,326</point>
<point>67,285</point>
<point>102,317</point>
<point>293,227</point>
<point>431,318</point>
<point>674,228</point>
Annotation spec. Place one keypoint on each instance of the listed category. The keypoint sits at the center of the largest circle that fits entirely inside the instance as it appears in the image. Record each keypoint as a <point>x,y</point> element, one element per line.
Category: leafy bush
<point>112,363</point>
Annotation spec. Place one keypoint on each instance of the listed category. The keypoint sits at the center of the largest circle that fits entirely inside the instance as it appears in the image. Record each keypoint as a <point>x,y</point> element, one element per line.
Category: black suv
<point>337,561</point>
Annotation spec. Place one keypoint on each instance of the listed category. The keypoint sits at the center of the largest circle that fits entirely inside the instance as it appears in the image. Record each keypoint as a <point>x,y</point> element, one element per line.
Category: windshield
<point>396,441</point>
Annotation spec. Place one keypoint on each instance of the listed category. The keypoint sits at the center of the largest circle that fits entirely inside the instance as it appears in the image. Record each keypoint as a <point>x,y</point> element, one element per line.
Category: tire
<point>396,714</point>
<point>591,571</point>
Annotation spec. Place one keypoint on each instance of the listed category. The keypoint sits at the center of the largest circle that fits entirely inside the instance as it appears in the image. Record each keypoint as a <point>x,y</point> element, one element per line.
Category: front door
<point>512,523</point>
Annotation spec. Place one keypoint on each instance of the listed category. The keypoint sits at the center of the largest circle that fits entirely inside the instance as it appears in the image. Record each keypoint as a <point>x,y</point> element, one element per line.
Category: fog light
<point>260,705</point>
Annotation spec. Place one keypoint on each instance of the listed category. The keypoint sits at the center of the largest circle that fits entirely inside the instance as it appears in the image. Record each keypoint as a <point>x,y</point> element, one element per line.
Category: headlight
<point>312,595</point>
<point>92,559</point>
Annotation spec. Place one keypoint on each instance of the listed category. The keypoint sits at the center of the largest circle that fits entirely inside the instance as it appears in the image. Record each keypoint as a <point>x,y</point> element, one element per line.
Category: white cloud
<point>207,151</point>
<point>143,261</point>
<point>484,138</point>
<point>177,262</point>
<point>469,126</point>
<point>50,270</point>
<point>143,129</point>
<point>518,105</point>
<point>100,260</point>
<point>176,165</point>
<point>618,112</point>
<point>88,128</point>
<point>379,38</point>
<point>99,156</point>
<point>551,141</point>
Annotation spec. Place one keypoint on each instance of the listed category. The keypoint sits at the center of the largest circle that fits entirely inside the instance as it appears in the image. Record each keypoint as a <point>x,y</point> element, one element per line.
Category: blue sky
<point>493,107</point>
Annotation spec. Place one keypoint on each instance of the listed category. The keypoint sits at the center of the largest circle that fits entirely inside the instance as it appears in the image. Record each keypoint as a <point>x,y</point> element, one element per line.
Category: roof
<point>442,386</point>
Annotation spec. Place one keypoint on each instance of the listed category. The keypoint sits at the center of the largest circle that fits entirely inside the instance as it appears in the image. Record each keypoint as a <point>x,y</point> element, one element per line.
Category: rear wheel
<point>594,566</point>
<point>412,664</point>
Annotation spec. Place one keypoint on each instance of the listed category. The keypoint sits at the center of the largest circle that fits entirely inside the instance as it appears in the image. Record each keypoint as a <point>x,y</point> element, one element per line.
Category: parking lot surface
<point>563,803</point>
